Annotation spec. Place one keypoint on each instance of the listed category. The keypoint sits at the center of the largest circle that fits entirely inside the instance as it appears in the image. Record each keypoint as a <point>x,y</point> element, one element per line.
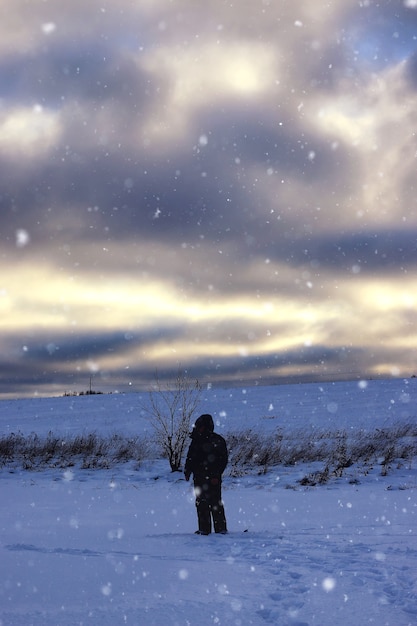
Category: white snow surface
<point>113,547</point>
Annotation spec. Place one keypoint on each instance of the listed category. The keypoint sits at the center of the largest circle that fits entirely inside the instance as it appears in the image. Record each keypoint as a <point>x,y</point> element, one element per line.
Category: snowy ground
<point>114,547</point>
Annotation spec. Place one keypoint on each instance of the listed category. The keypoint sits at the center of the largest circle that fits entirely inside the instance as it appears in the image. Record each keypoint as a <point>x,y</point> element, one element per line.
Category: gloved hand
<point>187,477</point>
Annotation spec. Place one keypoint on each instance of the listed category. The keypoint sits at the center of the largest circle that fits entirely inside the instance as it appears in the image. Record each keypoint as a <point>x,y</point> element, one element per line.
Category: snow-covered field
<point>113,547</point>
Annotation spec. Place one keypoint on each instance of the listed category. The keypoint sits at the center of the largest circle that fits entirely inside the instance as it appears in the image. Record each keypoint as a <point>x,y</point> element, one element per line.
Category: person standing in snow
<point>207,459</point>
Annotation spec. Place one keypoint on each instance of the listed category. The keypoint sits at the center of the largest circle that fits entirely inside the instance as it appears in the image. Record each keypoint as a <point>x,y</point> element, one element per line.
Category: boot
<point>219,518</point>
<point>204,517</point>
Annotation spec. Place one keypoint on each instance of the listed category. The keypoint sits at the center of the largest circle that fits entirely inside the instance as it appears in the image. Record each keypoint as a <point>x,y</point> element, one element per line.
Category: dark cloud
<point>207,191</point>
<point>201,191</point>
<point>53,348</point>
<point>304,364</point>
<point>412,70</point>
<point>63,71</point>
<point>378,251</point>
<point>83,347</point>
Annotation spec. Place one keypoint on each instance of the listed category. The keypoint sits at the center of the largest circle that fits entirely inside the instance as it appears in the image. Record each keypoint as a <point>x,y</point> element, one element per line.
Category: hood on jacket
<point>203,425</point>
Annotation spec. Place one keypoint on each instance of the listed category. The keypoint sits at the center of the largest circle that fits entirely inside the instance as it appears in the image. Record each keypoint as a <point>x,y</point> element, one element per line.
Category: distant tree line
<point>89,392</point>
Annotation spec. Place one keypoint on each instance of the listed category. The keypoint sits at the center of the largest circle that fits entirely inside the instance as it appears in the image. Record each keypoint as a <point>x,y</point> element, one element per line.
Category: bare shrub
<point>171,408</point>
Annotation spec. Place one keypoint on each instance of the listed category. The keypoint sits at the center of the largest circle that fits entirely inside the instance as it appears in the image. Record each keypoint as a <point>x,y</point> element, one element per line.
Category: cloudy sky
<point>228,187</point>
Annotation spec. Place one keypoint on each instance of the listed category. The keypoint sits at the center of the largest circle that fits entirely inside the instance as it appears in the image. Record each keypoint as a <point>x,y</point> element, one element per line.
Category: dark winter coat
<point>207,454</point>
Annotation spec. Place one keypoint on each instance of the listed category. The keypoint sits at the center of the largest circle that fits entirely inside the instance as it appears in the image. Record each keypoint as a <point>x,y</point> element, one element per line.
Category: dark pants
<point>209,505</point>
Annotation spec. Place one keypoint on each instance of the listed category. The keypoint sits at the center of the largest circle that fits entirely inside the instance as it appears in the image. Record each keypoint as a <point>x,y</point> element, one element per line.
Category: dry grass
<point>88,450</point>
<point>249,451</point>
<point>335,450</point>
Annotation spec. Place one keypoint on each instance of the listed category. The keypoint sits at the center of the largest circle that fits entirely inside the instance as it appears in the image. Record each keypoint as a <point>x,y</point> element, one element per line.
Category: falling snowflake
<point>48,28</point>
<point>328,584</point>
<point>22,238</point>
